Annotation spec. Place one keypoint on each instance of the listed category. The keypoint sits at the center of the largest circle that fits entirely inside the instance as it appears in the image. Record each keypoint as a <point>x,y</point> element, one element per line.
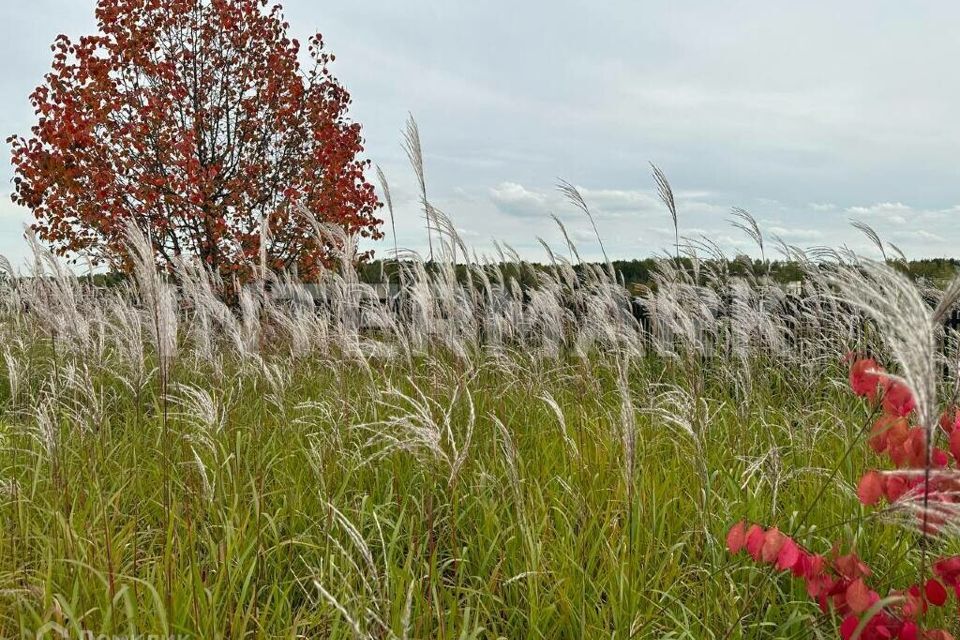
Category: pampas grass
<point>475,458</point>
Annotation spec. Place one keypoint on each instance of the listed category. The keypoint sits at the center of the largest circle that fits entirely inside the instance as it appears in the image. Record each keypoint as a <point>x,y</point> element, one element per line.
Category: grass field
<point>171,467</point>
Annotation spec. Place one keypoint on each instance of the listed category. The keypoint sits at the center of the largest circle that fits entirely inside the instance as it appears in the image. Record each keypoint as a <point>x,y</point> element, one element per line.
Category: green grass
<point>562,552</point>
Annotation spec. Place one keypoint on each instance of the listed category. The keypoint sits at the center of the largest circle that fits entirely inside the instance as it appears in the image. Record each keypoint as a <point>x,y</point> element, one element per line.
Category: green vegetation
<point>170,466</point>
<point>540,534</point>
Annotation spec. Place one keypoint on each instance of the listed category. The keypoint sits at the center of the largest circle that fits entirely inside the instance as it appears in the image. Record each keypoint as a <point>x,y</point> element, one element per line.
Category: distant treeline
<point>639,273</point>
<point>636,273</point>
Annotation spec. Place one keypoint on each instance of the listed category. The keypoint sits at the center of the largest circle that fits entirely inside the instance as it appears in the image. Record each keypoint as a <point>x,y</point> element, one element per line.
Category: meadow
<point>471,460</point>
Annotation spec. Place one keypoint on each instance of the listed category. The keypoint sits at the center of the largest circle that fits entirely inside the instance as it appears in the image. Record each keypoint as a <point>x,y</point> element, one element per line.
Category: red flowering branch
<point>839,583</point>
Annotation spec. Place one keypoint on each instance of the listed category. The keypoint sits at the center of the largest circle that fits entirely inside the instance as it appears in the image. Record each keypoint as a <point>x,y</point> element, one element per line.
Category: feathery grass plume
<point>511,457</point>
<point>199,407</point>
<point>900,255</point>
<point>157,295</point>
<point>627,424</point>
<point>571,246</point>
<point>686,413</point>
<point>414,427</point>
<point>367,585</point>
<point>573,195</point>
<point>55,299</point>
<point>411,146</point>
<point>551,402</point>
<point>46,430</point>
<point>83,400</point>
<point>385,187</point>
<point>748,224</point>
<point>871,235</point>
<point>666,196</point>
<point>683,313</point>
<point>13,375</point>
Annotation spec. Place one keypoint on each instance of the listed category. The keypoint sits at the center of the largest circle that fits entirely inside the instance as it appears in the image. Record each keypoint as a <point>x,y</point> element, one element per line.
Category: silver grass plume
<point>748,224</point>
<point>575,198</point>
<point>871,235</point>
<point>157,295</point>
<point>411,145</point>
<point>666,196</point>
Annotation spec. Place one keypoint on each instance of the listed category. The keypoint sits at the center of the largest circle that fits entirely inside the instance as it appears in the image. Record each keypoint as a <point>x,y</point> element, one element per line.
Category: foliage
<point>193,119</point>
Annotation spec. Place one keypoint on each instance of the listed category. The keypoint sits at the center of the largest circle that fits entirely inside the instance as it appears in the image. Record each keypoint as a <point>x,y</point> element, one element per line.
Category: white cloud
<point>582,235</point>
<point>621,200</point>
<point>516,200</point>
<point>892,212</point>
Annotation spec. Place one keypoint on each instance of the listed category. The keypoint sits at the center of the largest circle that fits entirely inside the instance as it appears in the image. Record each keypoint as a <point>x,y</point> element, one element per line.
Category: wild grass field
<point>484,462</point>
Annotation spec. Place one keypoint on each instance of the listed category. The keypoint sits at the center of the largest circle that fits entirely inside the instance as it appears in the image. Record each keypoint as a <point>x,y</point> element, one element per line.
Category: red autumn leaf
<point>908,631</point>
<point>955,444</point>
<point>755,540</point>
<point>858,596</point>
<point>948,569</point>
<point>773,541</point>
<point>737,537</point>
<point>848,626</point>
<point>850,566</point>
<point>940,458</point>
<point>789,555</point>
<point>935,592</point>
<point>914,605</point>
<point>895,487</point>
<point>865,376</point>
<point>897,398</point>
<point>950,419</point>
<point>871,488</point>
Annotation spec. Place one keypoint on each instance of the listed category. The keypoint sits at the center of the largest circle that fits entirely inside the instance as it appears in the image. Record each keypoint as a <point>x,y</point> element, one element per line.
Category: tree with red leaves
<point>194,120</point>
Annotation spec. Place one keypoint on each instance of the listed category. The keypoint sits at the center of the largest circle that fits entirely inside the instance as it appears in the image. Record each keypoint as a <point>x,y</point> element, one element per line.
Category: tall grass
<point>486,462</point>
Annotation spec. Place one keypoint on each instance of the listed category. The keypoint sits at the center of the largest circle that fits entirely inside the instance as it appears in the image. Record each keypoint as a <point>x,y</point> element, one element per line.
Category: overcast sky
<point>807,114</point>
